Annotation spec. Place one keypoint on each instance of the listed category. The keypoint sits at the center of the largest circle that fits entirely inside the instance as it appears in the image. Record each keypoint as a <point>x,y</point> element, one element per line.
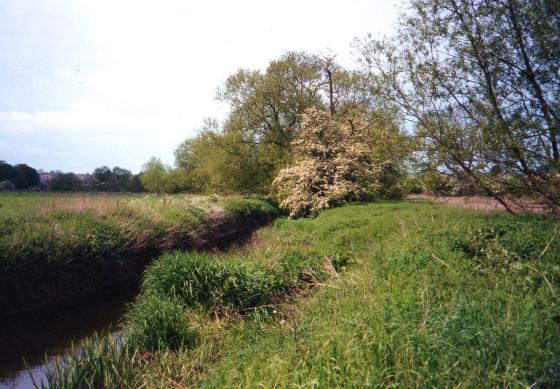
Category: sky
<point>113,82</point>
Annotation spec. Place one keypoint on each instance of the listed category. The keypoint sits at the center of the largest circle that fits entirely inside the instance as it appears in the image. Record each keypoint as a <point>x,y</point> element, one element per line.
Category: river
<point>26,341</point>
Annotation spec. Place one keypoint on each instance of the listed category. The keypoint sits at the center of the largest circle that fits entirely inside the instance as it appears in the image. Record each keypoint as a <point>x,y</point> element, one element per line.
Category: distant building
<point>45,177</point>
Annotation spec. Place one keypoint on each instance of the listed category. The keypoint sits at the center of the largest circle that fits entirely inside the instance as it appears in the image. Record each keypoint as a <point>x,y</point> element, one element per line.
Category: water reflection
<point>25,341</point>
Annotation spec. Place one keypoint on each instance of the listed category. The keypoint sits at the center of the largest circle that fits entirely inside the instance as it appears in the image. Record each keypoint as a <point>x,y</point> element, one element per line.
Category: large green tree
<point>255,141</point>
<point>160,178</point>
<point>480,82</point>
<point>21,175</point>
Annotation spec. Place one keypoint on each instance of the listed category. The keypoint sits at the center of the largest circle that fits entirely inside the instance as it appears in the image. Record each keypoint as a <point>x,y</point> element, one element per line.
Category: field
<point>53,247</point>
<point>407,294</point>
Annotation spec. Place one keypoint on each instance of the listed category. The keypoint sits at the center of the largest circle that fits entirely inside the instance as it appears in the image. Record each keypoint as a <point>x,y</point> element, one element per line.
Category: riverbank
<point>57,248</point>
<point>390,294</point>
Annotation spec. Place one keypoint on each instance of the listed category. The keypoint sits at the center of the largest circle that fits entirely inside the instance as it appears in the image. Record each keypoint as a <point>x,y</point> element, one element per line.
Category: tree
<point>31,176</point>
<point>65,182</point>
<point>22,175</point>
<point>160,178</point>
<point>9,173</point>
<point>480,81</point>
<point>121,178</point>
<point>154,175</point>
<point>255,141</point>
<point>134,184</point>
<point>104,179</point>
<point>332,164</point>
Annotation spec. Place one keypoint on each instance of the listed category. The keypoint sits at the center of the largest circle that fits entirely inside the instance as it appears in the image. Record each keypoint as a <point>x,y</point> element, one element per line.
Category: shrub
<point>7,186</point>
<point>156,322</point>
<point>332,164</point>
<point>504,245</point>
<point>242,207</point>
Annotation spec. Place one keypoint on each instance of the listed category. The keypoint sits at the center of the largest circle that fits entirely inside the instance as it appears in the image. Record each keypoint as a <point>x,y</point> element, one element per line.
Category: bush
<point>243,207</point>
<point>156,322</point>
<point>7,186</point>
<point>504,245</point>
<point>333,164</point>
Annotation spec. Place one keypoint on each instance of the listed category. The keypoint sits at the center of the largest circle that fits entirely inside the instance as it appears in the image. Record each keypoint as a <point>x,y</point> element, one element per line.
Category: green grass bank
<point>403,294</point>
<point>55,247</point>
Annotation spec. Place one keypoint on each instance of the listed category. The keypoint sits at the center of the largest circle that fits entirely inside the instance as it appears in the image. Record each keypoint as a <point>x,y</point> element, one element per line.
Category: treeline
<point>463,99</point>
<point>20,176</point>
<point>103,179</point>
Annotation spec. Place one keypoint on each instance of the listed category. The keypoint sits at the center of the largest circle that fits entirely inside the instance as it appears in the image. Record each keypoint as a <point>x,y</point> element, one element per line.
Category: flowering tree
<point>332,163</point>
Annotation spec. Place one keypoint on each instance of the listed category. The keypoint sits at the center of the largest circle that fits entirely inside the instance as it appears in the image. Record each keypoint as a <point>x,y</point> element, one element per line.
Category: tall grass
<point>53,247</point>
<point>430,302</point>
<point>99,362</point>
<point>403,294</point>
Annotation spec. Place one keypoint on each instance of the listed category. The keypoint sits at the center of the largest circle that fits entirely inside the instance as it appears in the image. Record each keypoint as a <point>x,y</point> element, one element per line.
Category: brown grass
<point>488,204</point>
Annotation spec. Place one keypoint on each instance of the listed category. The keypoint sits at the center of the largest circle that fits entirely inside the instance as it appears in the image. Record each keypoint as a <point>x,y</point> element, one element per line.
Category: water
<point>25,341</point>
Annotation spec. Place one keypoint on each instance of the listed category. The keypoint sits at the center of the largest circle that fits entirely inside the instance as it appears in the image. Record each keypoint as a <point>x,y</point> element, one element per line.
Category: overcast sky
<point>85,83</point>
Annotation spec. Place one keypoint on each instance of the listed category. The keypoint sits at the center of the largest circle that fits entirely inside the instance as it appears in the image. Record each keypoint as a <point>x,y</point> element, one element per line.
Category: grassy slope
<point>413,311</point>
<point>433,296</point>
<point>52,246</point>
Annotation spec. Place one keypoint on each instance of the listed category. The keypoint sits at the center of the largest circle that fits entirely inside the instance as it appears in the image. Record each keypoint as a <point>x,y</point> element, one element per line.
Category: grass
<point>54,246</point>
<point>392,294</point>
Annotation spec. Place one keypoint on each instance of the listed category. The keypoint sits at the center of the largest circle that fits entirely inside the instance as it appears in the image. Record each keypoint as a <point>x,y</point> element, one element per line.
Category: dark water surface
<point>25,341</point>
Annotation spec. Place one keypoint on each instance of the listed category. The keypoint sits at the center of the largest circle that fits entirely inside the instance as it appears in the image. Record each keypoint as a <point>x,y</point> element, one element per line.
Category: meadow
<point>407,294</point>
<point>56,246</point>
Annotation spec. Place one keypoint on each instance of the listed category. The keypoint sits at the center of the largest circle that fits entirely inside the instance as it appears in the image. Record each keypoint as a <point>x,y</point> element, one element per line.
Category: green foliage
<point>410,311</point>
<point>156,177</point>
<point>29,177</point>
<point>412,307</point>
<point>480,82</point>
<point>503,246</point>
<point>7,186</point>
<point>155,323</point>
<point>245,206</point>
<point>115,180</point>
<point>21,176</point>
<point>335,161</point>
<point>198,279</point>
<point>65,182</point>
<point>53,247</point>
<point>255,142</point>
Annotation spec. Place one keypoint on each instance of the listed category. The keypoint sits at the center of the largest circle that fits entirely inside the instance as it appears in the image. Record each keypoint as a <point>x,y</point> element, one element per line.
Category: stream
<point>30,343</point>
<point>25,342</point>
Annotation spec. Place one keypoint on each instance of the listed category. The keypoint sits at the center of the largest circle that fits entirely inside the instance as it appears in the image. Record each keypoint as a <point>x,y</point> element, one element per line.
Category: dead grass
<point>488,204</point>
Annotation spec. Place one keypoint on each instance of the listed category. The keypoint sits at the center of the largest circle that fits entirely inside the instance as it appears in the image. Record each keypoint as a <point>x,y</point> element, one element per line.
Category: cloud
<point>84,119</point>
<point>120,81</point>
<point>14,122</point>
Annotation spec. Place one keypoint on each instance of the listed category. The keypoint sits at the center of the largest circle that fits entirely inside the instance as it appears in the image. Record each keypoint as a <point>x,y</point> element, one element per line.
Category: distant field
<point>56,245</point>
<point>395,294</point>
